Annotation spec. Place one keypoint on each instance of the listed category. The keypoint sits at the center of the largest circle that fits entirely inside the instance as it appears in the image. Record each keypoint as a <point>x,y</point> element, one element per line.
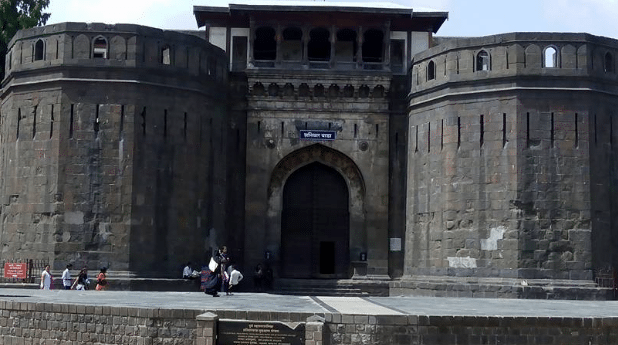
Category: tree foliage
<point>16,15</point>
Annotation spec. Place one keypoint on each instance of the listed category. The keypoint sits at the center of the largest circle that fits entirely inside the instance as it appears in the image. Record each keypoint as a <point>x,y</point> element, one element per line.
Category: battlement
<point>557,56</point>
<point>98,45</point>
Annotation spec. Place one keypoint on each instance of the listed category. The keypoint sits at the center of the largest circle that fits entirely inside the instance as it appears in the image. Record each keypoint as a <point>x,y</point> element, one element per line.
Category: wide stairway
<point>329,287</point>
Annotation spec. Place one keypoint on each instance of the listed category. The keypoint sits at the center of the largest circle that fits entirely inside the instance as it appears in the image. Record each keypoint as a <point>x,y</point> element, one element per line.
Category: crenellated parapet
<point>114,48</point>
<point>550,59</point>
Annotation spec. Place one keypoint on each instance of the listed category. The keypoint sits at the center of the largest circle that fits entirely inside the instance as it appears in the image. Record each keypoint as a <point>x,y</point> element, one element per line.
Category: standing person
<point>235,278</point>
<point>102,279</point>
<point>81,282</point>
<point>66,277</point>
<point>46,279</point>
<point>225,260</point>
<point>213,279</point>
<point>258,278</point>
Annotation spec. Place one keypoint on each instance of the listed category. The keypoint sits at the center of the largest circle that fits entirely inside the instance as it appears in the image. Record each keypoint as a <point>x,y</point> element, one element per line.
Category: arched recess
<point>350,173</point>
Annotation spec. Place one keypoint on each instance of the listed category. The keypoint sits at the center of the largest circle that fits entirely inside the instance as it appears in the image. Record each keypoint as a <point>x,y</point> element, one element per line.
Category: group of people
<point>81,282</point>
<point>221,275</point>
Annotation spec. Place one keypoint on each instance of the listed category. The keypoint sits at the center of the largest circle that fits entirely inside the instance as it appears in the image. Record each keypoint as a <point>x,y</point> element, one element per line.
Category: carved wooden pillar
<point>305,60</point>
<point>359,52</point>
<point>387,45</point>
<point>333,42</point>
<point>278,40</point>
<point>251,41</point>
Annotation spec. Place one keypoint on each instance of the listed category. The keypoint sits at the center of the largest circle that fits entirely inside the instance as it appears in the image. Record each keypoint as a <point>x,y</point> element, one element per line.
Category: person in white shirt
<point>235,278</point>
<point>187,271</point>
<point>66,278</point>
<point>46,279</point>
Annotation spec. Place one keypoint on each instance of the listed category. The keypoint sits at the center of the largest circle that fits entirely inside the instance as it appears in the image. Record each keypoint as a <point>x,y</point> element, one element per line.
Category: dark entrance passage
<point>315,224</point>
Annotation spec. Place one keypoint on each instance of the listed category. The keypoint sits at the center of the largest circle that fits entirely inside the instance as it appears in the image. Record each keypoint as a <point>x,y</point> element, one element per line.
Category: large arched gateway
<point>316,221</point>
<point>315,224</point>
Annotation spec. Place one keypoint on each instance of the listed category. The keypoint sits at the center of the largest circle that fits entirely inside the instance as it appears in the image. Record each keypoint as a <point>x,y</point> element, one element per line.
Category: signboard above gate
<point>317,135</point>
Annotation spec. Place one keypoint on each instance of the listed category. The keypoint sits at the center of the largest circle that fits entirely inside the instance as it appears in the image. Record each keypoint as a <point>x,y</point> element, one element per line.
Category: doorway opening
<point>315,230</point>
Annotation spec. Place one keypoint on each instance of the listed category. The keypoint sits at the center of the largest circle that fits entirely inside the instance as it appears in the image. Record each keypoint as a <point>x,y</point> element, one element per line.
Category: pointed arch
<point>483,61</point>
<point>331,158</point>
<point>39,50</point>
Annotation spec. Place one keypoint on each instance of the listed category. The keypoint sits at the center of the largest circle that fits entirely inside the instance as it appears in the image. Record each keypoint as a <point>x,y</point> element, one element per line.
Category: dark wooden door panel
<point>315,224</point>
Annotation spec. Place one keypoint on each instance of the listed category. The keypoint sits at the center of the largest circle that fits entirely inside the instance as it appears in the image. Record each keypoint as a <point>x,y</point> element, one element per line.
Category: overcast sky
<point>466,17</point>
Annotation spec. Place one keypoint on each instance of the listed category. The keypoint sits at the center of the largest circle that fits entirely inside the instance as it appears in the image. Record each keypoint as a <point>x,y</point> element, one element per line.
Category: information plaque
<point>14,270</point>
<point>243,332</point>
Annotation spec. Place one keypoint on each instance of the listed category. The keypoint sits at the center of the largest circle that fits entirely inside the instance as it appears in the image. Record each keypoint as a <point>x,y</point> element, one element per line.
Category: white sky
<point>466,17</point>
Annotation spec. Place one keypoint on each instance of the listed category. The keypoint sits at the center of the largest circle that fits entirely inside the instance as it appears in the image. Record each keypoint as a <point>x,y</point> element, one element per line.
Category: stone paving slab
<point>430,306</point>
<point>357,305</point>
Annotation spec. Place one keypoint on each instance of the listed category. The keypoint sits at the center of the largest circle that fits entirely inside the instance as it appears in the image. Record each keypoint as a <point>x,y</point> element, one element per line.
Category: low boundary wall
<point>47,323</point>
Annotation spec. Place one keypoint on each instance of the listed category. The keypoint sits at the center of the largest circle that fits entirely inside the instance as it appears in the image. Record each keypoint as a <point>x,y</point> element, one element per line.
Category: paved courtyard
<point>429,306</point>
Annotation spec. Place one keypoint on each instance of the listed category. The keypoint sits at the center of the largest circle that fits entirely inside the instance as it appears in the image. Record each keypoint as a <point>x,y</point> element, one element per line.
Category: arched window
<point>550,57</point>
<point>166,57</point>
<point>99,48</point>
<point>482,61</point>
<point>608,65</point>
<point>39,50</point>
<point>292,46</point>
<point>265,46</point>
<point>373,45</point>
<point>318,48</point>
<point>431,70</point>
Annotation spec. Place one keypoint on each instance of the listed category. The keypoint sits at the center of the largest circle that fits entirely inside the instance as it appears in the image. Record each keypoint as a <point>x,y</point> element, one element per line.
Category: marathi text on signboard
<point>14,270</point>
<point>235,332</point>
<point>317,135</point>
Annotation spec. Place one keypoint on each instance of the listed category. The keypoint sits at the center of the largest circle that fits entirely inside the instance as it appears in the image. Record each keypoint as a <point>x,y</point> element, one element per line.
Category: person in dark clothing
<point>213,281</point>
<point>81,282</point>
<point>258,278</point>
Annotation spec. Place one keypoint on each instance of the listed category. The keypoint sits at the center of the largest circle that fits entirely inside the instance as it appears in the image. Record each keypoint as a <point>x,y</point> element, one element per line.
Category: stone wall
<point>503,180</point>
<point>110,135</point>
<point>27,322</point>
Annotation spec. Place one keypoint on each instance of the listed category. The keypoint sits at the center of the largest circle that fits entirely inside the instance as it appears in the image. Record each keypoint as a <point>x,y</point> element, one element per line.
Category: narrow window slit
<point>184,127</point>
<point>283,128</point>
<point>121,132</point>
<point>377,129</point>
<point>355,130</point>
<point>18,122</point>
<point>165,123</point>
<point>503,129</point>
<point>611,132</point>
<point>482,130</point>
<point>416,140</point>
<point>71,122</point>
<point>144,121</point>
<point>595,129</point>
<point>442,136</point>
<point>51,122</point>
<point>551,136</point>
<point>34,123</point>
<point>576,131</point>
<point>96,122</point>
<point>429,137</point>
<point>527,129</point>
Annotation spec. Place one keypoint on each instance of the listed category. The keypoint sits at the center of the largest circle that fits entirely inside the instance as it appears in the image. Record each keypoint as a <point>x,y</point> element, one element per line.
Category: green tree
<point>16,15</point>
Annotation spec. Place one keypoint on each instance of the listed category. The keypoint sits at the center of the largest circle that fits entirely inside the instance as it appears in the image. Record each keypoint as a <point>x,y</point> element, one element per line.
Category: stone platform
<point>139,317</point>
